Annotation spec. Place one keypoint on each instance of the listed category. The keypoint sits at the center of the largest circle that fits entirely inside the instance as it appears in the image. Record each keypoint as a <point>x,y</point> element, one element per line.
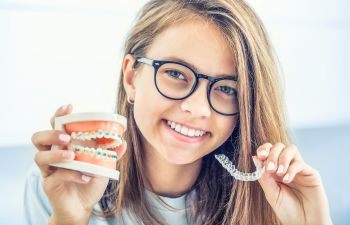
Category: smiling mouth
<point>185,131</point>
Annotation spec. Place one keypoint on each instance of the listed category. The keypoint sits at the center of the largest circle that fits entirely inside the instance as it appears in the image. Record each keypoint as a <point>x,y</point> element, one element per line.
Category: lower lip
<point>182,137</point>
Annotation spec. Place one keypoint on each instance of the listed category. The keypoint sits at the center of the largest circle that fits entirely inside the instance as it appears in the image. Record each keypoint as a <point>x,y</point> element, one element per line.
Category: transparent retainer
<point>238,175</point>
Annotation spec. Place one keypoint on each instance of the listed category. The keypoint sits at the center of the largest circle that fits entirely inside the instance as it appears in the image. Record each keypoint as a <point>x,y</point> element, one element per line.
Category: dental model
<point>227,164</point>
<point>96,139</point>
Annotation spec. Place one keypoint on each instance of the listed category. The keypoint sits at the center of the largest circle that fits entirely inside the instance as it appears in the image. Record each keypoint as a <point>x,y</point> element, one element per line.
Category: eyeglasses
<point>177,81</point>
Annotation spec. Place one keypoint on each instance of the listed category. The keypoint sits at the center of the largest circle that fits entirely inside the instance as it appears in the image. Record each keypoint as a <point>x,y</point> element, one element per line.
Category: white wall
<point>58,52</point>
<point>312,40</point>
<point>54,53</point>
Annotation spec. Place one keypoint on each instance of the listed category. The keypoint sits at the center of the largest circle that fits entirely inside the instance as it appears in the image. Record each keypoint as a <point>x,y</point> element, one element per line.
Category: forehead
<point>198,43</point>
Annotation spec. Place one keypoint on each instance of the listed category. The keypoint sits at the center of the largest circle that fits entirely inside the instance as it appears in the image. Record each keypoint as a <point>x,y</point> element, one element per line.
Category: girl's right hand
<point>72,195</point>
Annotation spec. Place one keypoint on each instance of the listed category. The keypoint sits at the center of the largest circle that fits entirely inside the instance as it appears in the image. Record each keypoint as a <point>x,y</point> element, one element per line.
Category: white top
<point>37,208</point>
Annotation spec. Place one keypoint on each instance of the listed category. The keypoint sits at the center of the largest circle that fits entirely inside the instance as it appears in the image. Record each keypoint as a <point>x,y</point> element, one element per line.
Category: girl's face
<point>199,44</point>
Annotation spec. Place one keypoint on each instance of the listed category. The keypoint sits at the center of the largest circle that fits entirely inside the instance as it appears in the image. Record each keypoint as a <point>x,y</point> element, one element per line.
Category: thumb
<point>268,183</point>
<point>63,110</point>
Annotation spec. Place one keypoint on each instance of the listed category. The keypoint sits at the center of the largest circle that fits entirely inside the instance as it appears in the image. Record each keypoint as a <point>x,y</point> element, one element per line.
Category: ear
<point>129,76</point>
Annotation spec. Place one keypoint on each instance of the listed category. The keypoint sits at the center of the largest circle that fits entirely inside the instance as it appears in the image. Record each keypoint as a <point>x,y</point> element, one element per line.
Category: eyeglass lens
<point>176,81</point>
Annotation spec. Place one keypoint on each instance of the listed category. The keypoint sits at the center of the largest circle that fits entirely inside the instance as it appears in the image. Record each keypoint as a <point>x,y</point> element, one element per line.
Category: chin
<point>180,159</point>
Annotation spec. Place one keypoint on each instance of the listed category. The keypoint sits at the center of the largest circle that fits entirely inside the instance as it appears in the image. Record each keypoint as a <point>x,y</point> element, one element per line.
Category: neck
<point>170,180</point>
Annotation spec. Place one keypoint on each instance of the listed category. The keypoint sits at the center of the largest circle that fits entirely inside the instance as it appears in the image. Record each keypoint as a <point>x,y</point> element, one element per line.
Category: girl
<point>198,78</point>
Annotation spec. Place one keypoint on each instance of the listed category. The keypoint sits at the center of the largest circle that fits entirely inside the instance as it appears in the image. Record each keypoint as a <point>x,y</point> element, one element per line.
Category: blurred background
<point>58,52</point>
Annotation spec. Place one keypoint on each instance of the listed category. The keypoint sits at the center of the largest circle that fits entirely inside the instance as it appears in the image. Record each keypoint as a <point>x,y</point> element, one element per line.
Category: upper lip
<point>188,126</point>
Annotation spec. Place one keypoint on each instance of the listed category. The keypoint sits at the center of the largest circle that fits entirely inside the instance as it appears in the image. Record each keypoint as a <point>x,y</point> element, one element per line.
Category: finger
<point>269,185</point>
<point>258,163</point>
<point>267,180</point>
<point>285,159</point>
<point>43,140</point>
<point>61,176</point>
<point>263,151</point>
<point>294,168</point>
<point>63,110</point>
<point>44,158</point>
<point>272,159</point>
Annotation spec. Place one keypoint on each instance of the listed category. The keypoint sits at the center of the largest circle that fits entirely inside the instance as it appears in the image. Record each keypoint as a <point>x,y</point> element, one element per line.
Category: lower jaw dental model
<point>96,139</point>
<point>227,164</point>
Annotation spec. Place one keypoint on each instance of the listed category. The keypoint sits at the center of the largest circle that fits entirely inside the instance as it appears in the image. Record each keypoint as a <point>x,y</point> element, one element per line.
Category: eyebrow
<point>194,67</point>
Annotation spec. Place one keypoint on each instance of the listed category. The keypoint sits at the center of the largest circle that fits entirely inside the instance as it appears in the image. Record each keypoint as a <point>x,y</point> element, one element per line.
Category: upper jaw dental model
<point>238,175</point>
<point>96,139</point>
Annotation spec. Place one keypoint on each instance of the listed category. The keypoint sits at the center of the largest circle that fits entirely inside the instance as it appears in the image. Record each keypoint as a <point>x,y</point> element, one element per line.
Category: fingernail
<point>64,137</point>
<point>68,154</point>
<point>270,166</point>
<point>64,108</point>
<point>85,178</point>
<point>286,178</point>
<point>263,153</point>
<point>280,169</point>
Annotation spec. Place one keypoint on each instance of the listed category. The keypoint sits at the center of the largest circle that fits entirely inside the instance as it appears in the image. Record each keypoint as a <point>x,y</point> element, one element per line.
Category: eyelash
<point>231,90</point>
<point>176,72</point>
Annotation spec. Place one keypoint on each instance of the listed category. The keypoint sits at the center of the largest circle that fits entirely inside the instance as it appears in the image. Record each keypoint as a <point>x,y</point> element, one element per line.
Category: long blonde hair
<point>219,198</point>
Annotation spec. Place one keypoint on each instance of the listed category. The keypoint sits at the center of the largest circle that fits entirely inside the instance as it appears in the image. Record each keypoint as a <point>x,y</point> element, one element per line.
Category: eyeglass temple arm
<point>144,60</point>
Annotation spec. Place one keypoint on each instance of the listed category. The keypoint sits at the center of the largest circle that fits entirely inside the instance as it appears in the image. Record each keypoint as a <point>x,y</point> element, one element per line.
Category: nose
<point>197,103</point>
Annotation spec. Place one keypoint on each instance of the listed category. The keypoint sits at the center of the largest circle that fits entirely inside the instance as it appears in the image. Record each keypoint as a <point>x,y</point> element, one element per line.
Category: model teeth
<point>95,134</point>
<point>185,130</point>
<point>114,144</point>
<point>98,153</point>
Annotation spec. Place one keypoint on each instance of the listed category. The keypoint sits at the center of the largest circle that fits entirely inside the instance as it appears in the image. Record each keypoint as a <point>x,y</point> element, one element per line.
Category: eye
<point>227,90</point>
<point>176,74</point>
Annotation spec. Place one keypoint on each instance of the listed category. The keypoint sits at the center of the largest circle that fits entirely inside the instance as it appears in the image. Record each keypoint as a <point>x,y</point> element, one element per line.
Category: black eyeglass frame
<point>158,63</point>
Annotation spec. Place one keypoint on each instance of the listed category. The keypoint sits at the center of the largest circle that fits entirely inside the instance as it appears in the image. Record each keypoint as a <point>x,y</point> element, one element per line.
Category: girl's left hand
<point>287,181</point>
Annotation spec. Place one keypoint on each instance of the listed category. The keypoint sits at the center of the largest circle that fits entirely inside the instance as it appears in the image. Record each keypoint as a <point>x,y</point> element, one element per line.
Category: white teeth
<point>184,130</point>
<point>93,135</point>
<point>85,136</point>
<point>197,133</point>
<point>90,136</point>
<point>96,152</point>
<point>178,128</point>
<point>99,134</point>
<point>191,132</point>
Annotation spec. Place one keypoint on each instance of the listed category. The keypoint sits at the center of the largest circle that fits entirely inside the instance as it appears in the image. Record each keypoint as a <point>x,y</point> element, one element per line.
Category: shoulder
<point>33,183</point>
<point>36,205</point>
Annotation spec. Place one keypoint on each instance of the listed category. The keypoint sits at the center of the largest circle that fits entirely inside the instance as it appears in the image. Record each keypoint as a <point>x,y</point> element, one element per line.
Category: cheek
<point>149,103</point>
<point>226,127</point>
<point>147,107</point>
<point>143,113</point>
<point>144,97</point>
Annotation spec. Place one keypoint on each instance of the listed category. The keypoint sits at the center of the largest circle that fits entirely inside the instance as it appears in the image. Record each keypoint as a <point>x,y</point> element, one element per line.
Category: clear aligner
<point>238,175</point>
